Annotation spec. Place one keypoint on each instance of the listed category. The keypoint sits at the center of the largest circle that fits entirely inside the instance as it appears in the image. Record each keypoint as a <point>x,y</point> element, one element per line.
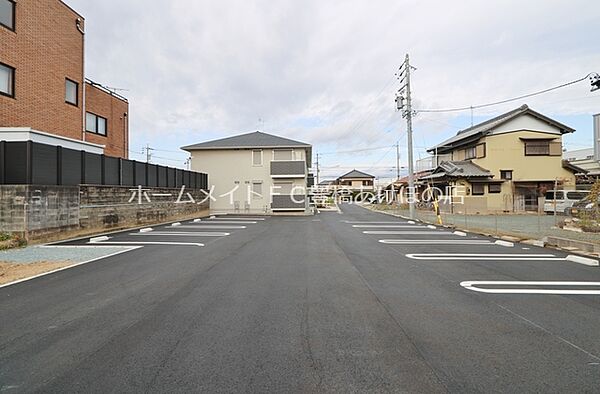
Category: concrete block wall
<point>58,212</point>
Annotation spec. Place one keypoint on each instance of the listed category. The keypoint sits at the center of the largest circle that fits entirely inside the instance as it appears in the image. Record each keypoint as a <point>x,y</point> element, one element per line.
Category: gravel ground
<point>525,226</point>
<point>75,254</point>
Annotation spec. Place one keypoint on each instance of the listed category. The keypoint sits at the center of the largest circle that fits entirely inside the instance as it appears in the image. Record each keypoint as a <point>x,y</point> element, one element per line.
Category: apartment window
<point>470,153</point>
<point>477,189</point>
<point>71,92</point>
<point>494,188</point>
<point>95,124</point>
<point>7,80</point>
<point>506,175</point>
<point>7,14</point>
<point>537,148</point>
<point>257,157</point>
<point>257,190</point>
<point>283,154</point>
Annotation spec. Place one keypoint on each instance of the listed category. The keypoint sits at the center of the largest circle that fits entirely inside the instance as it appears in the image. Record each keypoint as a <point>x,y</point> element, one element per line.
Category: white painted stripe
<point>175,224</point>
<point>382,226</point>
<point>460,233</point>
<point>99,239</point>
<point>237,218</point>
<point>411,222</point>
<point>482,256</point>
<point>211,222</point>
<point>434,242</point>
<point>388,222</point>
<point>504,243</point>
<point>125,249</point>
<point>583,260</point>
<point>432,227</point>
<point>145,230</point>
<point>186,234</point>
<point>217,227</point>
<point>473,285</point>
<point>408,233</point>
<point>151,243</point>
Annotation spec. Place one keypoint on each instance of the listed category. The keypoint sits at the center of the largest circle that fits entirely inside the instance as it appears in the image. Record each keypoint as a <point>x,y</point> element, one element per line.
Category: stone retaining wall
<point>55,212</point>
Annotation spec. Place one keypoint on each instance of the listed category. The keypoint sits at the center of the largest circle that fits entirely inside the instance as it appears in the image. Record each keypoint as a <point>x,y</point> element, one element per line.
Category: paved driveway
<point>350,302</point>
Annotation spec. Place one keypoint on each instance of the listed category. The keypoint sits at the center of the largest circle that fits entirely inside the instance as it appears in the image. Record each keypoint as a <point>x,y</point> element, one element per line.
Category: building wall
<point>116,112</point>
<point>232,173</point>
<point>45,48</point>
<point>507,152</point>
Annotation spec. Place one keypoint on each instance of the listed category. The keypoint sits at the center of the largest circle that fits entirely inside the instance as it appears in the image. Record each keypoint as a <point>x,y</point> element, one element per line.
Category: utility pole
<point>318,170</point>
<point>398,161</point>
<point>405,94</point>
<point>148,154</point>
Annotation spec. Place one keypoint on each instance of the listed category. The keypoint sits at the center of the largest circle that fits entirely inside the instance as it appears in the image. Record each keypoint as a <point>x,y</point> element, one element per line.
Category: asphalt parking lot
<point>355,301</point>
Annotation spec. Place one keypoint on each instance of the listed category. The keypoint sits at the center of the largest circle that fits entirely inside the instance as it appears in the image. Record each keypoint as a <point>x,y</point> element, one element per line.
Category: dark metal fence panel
<point>171,175</point>
<point>44,170</point>
<point>15,163</point>
<point>93,169</point>
<point>152,175</point>
<point>70,167</point>
<point>140,174</point>
<point>127,172</point>
<point>111,171</point>
<point>34,163</point>
<point>162,176</point>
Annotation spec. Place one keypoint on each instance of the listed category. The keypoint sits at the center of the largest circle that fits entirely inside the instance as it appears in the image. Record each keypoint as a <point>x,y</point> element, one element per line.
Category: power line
<point>356,150</point>
<point>472,107</point>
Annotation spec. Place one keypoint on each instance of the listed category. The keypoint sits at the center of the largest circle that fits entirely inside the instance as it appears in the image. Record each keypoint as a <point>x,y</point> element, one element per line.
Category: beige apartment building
<point>504,164</point>
<point>255,173</point>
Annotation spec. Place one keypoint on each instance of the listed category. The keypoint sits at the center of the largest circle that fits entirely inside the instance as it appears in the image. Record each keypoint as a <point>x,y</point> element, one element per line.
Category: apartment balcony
<point>286,202</point>
<point>288,169</point>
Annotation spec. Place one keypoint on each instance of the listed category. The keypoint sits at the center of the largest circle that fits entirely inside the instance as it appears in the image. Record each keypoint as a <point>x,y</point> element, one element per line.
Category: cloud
<point>322,72</point>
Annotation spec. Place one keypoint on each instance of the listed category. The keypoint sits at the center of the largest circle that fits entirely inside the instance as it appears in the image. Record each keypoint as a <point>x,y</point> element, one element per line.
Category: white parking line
<point>147,243</point>
<point>186,234</point>
<point>382,226</point>
<point>388,222</point>
<point>473,285</point>
<point>228,222</point>
<point>216,227</point>
<point>236,218</point>
<point>437,242</point>
<point>408,233</point>
<point>484,256</point>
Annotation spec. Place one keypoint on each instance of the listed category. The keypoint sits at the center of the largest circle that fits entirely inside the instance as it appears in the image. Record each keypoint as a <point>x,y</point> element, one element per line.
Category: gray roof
<point>458,169</point>
<point>475,132</point>
<point>255,139</point>
<point>356,174</point>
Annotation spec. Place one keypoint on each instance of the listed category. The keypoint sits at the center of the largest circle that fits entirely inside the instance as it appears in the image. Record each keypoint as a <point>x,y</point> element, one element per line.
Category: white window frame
<point>254,195</point>
<point>279,150</point>
<point>261,157</point>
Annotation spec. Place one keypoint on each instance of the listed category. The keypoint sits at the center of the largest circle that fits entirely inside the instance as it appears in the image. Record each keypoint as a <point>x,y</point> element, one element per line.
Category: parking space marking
<point>437,242</point>
<point>382,226</point>
<point>207,227</point>
<point>186,234</point>
<point>408,233</point>
<point>234,218</point>
<point>146,243</point>
<point>484,256</point>
<point>474,286</point>
<point>388,222</point>
<point>229,222</point>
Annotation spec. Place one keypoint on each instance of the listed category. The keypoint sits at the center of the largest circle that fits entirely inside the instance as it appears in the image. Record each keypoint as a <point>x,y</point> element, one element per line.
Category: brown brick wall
<point>45,48</point>
<point>114,109</point>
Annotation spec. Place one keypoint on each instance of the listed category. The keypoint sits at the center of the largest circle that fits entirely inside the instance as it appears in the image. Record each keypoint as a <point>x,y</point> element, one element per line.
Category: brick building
<point>42,80</point>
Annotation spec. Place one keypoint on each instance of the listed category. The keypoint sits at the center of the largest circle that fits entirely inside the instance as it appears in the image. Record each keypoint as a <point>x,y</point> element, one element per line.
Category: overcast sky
<point>323,71</point>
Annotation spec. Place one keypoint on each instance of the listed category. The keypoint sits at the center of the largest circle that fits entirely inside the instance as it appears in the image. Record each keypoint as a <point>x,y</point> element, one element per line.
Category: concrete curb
<point>504,243</point>
<point>99,239</point>
<point>145,230</point>
<point>583,260</point>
